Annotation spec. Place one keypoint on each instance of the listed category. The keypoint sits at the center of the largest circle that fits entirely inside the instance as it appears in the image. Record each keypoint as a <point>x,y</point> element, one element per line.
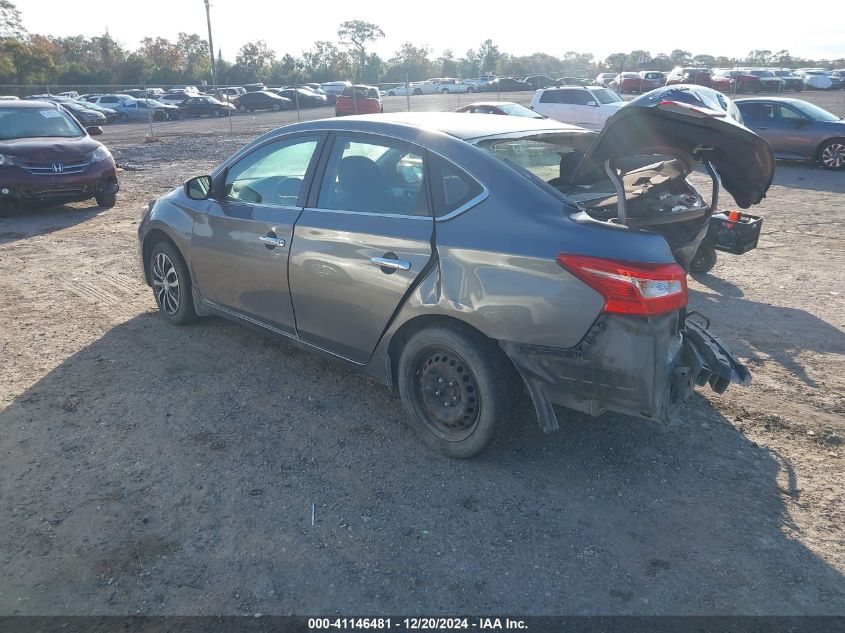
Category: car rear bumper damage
<point>646,368</point>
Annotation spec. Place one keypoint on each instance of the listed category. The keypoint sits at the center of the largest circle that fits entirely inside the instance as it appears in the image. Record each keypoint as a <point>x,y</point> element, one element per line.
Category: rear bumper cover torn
<point>646,368</point>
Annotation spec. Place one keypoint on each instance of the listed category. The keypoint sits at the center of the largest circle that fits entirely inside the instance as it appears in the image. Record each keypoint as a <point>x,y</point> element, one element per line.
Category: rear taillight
<point>630,287</point>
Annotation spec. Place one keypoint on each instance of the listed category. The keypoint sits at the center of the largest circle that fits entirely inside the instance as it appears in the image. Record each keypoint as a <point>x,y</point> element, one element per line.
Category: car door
<point>795,131</point>
<point>358,246</point>
<point>765,119</point>
<point>241,239</point>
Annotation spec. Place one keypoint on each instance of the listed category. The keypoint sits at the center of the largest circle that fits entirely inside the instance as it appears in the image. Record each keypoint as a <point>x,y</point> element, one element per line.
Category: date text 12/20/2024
<point>417,624</point>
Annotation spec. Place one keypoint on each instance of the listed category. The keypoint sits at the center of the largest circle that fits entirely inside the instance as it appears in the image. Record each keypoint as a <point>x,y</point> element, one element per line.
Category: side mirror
<point>801,122</point>
<point>198,188</point>
<point>94,130</point>
<point>592,103</point>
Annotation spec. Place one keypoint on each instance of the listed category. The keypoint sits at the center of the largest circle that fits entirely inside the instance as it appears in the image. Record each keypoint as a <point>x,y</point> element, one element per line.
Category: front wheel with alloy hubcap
<point>832,154</point>
<point>460,389</point>
<point>171,284</point>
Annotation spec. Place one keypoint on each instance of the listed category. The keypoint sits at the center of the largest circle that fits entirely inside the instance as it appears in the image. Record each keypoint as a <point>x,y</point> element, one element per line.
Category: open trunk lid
<point>647,150</point>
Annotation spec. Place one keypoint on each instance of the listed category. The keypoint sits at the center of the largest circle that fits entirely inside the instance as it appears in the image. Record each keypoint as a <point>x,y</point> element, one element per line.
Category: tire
<point>417,91</point>
<point>276,107</point>
<point>445,91</point>
<point>107,200</point>
<point>241,108</point>
<point>704,260</point>
<point>165,262</point>
<point>481,390</point>
<point>390,93</point>
<point>159,116</point>
<point>122,117</point>
<point>470,89</point>
<point>832,154</point>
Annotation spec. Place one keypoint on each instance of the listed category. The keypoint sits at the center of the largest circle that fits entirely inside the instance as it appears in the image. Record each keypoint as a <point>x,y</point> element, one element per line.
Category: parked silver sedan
<point>797,130</point>
<point>463,261</point>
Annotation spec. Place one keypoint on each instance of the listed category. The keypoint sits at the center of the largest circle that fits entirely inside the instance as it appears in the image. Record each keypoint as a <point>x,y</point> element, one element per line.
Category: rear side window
<point>550,96</point>
<point>451,187</point>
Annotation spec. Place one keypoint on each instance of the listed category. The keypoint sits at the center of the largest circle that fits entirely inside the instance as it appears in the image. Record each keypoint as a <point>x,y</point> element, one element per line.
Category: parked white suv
<point>589,107</point>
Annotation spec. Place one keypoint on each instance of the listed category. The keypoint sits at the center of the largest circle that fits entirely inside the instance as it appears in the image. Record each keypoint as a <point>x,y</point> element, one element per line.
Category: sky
<point>600,27</point>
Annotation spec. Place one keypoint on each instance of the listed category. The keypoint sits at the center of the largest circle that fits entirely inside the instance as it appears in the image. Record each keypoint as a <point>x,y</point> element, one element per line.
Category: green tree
<point>193,53</point>
<point>26,62</point>
<point>412,60</point>
<point>355,35</point>
<point>616,62</point>
<point>704,60</point>
<point>162,60</point>
<point>11,25</point>
<point>447,65</point>
<point>254,60</point>
<point>488,55</point>
<point>326,62</point>
<point>680,57</point>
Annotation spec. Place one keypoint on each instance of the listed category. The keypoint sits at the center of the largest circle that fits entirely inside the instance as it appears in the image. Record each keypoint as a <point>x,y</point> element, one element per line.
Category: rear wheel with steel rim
<point>459,387</point>
<point>832,154</point>
<point>171,283</point>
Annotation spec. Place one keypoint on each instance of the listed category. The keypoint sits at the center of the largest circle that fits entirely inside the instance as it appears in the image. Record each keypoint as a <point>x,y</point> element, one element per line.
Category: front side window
<point>271,175</point>
<point>383,176</point>
<point>603,96</point>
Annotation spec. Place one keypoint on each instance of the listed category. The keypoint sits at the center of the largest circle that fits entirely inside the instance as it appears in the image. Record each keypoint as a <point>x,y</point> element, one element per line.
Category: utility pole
<point>210,43</point>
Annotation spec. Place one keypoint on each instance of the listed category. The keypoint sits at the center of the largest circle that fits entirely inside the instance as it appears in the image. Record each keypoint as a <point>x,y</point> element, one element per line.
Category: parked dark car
<point>109,113</point>
<point>790,80</point>
<point>261,100</point>
<point>693,75</point>
<point>540,81</point>
<point>797,130</point>
<point>205,105</point>
<point>47,157</point>
<point>307,98</point>
<point>85,116</point>
<point>507,108</point>
<point>448,256</point>
<point>506,84</point>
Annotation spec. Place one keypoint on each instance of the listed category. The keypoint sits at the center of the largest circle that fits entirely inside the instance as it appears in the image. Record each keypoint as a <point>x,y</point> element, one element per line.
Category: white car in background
<point>815,78</point>
<point>585,106</point>
<point>603,79</point>
<point>448,85</point>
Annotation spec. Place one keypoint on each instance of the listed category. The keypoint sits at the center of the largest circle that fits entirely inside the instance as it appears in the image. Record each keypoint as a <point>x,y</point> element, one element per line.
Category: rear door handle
<point>395,264</point>
<point>271,241</point>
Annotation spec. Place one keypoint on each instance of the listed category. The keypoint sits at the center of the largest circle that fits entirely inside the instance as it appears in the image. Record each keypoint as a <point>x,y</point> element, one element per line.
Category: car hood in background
<point>49,149</point>
<point>743,160</point>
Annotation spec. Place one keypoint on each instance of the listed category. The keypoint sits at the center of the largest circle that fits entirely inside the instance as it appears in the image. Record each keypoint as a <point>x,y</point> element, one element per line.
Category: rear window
<point>37,123</point>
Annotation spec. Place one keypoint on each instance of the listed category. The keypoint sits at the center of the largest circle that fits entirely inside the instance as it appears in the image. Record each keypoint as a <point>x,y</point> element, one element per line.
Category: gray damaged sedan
<point>468,260</point>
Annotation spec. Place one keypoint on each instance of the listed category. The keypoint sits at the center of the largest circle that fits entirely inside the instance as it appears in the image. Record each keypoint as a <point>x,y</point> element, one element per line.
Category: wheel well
<point>154,237</point>
<point>411,327</point>
<point>821,146</point>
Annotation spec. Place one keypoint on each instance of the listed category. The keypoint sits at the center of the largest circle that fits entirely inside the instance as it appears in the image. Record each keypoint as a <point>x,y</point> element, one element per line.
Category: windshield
<point>514,109</point>
<point>37,123</point>
<point>605,95</point>
<point>816,113</point>
<point>762,73</point>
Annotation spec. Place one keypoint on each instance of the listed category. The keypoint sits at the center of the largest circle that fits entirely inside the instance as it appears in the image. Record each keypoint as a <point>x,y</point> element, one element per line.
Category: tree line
<point>28,58</point>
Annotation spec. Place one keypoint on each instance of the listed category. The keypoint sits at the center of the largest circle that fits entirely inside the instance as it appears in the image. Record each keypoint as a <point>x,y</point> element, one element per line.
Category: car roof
<point>770,99</point>
<point>28,103</point>
<point>452,123</point>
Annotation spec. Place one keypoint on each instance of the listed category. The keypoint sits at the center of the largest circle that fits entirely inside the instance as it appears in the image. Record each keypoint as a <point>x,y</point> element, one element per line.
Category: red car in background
<point>358,100</point>
<point>47,158</point>
<point>688,75</point>
<point>726,80</point>
<point>642,81</point>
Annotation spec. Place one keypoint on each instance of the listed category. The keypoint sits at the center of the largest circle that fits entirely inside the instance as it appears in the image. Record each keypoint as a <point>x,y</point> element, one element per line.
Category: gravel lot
<point>158,470</point>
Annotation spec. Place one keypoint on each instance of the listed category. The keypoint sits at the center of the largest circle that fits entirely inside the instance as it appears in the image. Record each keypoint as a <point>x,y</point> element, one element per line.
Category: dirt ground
<point>151,469</point>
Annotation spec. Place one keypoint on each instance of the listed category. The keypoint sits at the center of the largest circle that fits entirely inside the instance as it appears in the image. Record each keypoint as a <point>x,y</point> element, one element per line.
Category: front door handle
<point>391,263</point>
<point>271,241</point>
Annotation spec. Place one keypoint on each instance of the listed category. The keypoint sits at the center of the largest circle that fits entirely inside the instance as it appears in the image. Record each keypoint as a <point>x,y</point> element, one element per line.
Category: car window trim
<point>219,180</point>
